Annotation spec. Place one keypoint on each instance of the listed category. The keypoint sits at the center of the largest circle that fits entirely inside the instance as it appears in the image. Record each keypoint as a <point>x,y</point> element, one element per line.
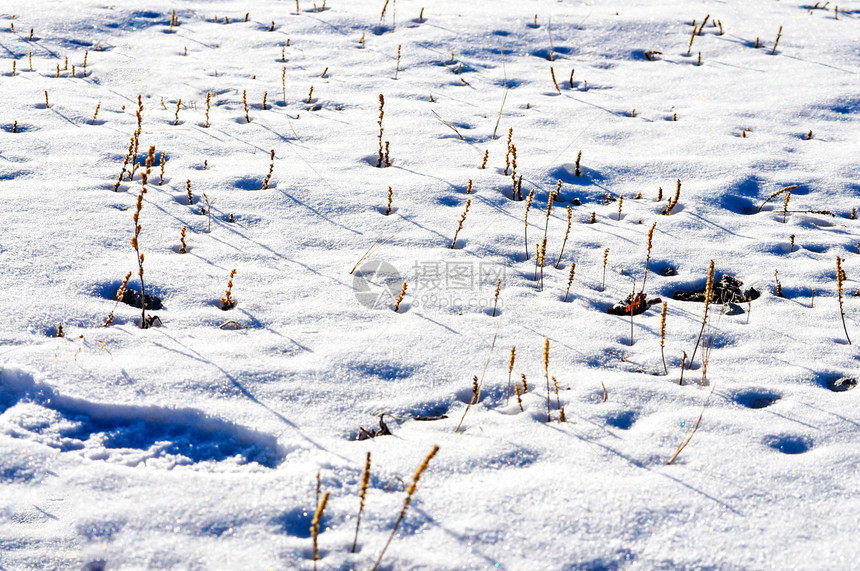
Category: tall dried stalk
<point>208,107</point>
<point>460,226</point>
<point>508,154</point>
<point>365,481</point>
<point>570,279</point>
<point>776,43</point>
<point>546,374</point>
<point>128,157</point>
<point>271,170</point>
<point>400,297</point>
<point>505,95</point>
<point>136,245</point>
<point>540,263</point>
<point>526,220</point>
<point>510,370</point>
<point>694,429</point>
<point>409,493</point>
<point>648,255</point>
<point>476,396</point>
<point>605,260</point>
<point>566,234</point>
<point>379,122</point>
<point>119,295</point>
<point>663,336</point>
<point>315,526</point>
<point>673,202</point>
<point>709,287</point>
<point>632,310</point>
<point>840,277</point>
<point>775,194</point>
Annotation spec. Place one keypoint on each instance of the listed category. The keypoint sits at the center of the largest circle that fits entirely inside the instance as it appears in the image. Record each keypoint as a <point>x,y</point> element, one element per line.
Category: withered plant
<point>566,234</point>
<point>663,336</point>
<point>460,226</point>
<point>570,279</point>
<point>315,526</point>
<point>526,221</point>
<point>546,374</point>
<point>139,255</point>
<point>605,260</point>
<point>271,170</point>
<point>496,297</point>
<point>400,297</point>
<point>365,482</point>
<point>709,289</point>
<point>227,302</point>
<point>119,295</point>
<point>410,492</point>
<point>673,202</point>
<point>840,278</point>
<point>510,370</point>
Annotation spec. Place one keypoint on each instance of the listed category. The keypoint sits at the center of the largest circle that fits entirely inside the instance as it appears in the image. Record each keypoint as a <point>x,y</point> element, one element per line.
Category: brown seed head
<point>546,355</point>
<point>663,324</point>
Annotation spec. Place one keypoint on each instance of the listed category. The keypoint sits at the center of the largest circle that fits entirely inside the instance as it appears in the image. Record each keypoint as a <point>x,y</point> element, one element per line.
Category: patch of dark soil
<point>727,289</point>
<point>842,384</point>
<point>133,298</point>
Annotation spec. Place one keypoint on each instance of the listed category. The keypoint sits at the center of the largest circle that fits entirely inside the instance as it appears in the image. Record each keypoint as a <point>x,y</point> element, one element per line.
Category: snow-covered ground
<point>196,443</point>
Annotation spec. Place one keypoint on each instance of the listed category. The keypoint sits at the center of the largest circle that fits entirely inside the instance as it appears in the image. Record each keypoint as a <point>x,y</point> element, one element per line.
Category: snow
<point>195,444</point>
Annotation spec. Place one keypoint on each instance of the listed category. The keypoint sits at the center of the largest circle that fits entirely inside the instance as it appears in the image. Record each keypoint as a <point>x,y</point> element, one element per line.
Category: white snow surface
<point>192,446</point>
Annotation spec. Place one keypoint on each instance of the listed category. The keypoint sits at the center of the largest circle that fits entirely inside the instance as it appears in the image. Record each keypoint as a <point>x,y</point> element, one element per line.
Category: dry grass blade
<point>381,18</point>
<point>409,493</point>
<point>505,96</point>
<point>372,250</point>
<point>694,429</point>
<point>477,393</point>
<point>315,527</point>
<point>365,481</point>
<point>449,125</point>
<point>551,46</point>
<point>840,278</point>
<point>546,373</point>
<point>709,288</point>
<point>775,194</point>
